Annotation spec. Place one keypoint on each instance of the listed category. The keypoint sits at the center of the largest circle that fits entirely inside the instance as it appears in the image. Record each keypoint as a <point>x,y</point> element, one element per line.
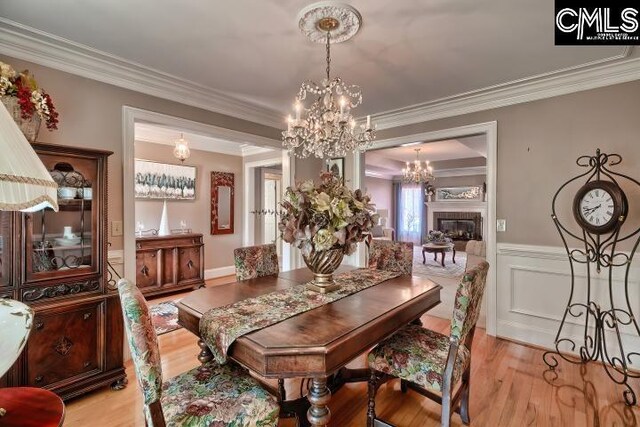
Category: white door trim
<point>131,115</point>
<point>248,238</point>
<point>490,130</point>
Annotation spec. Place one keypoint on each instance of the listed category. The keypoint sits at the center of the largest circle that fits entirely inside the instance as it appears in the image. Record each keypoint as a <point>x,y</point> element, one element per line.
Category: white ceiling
<point>168,136</point>
<point>406,53</point>
<point>388,162</point>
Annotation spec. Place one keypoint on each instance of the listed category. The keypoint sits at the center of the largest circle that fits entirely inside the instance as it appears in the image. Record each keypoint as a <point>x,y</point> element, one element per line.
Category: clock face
<point>597,207</point>
<point>600,206</point>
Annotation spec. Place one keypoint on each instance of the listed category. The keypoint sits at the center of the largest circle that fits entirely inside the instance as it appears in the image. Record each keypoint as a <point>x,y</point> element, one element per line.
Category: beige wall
<point>218,248</point>
<point>381,192</point>
<point>310,168</point>
<point>538,143</point>
<point>91,116</point>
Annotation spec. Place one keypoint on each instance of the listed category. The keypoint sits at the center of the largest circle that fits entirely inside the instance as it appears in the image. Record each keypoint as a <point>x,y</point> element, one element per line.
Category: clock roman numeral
<point>597,220</point>
<point>609,213</point>
<point>597,193</point>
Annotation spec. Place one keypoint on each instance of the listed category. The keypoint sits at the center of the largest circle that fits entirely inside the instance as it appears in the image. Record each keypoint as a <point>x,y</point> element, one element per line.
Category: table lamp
<point>25,185</point>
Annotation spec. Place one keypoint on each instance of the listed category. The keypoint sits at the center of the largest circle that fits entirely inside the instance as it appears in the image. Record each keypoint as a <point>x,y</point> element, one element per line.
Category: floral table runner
<point>220,327</point>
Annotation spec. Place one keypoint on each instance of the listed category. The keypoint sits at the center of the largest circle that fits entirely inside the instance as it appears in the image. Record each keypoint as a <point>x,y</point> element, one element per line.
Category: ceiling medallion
<point>325,127</point>
<point>416,173</point>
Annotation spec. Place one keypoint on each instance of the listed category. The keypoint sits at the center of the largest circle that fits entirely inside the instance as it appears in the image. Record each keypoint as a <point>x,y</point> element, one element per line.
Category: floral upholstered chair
<point>391,256</point>
<point>209,395</point>
<point>429,362</point>
<point>256,261</point>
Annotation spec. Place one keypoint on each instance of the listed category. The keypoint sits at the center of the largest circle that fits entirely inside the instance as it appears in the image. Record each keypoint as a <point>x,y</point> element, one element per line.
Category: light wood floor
<point>509,387</point>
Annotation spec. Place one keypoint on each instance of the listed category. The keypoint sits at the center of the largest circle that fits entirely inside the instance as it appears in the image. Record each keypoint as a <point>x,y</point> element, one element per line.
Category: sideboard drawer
<point>64,345</point>
<point>189,259</point>
<point>147,268</point>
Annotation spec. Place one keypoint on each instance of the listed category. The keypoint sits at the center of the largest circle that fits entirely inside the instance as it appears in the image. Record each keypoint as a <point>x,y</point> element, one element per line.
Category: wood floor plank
<point>508,387</point>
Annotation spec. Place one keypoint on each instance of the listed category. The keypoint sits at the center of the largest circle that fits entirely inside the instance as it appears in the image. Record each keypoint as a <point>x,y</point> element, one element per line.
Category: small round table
<point>30,407</point>
<point>435,249</point>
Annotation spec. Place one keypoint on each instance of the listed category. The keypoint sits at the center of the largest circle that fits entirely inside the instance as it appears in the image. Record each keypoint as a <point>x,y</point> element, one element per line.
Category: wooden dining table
<point>318,343</point>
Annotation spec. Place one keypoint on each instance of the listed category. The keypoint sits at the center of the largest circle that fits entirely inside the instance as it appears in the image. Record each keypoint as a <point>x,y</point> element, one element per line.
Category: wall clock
<point>600,206</point>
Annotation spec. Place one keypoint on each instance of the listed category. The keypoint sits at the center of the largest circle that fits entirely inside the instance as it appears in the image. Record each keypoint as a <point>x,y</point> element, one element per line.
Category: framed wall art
<point>222,202</point>
<point>336,167</point>
<point>470,193</point>
<point>154,180</point>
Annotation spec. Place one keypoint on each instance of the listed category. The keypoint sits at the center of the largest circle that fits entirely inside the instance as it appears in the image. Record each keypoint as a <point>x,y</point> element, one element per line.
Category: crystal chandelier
<point>325,127</point>
<point>417,173</point>
<point>181,150</point>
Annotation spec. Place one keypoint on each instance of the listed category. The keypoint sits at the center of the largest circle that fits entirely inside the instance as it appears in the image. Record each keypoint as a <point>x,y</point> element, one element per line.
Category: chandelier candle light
<point>416,173</point>
<point>326,128</point>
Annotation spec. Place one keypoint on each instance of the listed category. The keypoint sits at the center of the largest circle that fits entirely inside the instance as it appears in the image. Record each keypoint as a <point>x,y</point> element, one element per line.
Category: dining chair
<point>429,362</point>
<point>211,394</point>
<point>391,256</point>
<point>256,261</point>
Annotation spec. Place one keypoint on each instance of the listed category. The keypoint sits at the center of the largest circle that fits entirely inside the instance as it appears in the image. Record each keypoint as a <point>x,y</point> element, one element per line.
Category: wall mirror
<point>222,202</point>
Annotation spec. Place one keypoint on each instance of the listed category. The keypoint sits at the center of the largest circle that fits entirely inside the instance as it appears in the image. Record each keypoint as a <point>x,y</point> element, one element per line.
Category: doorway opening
<point>467,196</point>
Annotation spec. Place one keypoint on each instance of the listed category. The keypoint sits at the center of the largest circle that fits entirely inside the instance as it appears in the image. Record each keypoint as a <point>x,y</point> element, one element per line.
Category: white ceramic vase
<point>164,230</point>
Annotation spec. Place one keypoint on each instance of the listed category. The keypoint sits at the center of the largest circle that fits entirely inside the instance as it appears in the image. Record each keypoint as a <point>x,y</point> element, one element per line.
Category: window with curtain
<point>410,211</point>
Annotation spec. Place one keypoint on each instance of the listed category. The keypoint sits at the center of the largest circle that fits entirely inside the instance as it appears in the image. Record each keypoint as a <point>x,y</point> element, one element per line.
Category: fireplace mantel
<point>457,206</point>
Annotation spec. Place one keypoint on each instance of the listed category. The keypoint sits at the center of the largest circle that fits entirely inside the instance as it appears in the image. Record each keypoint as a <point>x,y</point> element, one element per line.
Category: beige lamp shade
<point>25,183</point>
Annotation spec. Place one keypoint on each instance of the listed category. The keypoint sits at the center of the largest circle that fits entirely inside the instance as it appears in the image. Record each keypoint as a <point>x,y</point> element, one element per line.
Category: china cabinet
<point>56,263</point>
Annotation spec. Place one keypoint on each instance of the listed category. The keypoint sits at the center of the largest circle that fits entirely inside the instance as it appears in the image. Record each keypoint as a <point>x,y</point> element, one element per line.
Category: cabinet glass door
<point>62,243</point>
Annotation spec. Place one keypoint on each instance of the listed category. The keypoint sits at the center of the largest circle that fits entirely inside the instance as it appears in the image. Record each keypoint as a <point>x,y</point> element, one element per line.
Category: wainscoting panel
<point>534,284</point>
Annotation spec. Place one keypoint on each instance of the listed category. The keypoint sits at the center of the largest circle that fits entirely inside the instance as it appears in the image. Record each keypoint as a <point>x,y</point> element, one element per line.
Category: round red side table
<point>30,407</point>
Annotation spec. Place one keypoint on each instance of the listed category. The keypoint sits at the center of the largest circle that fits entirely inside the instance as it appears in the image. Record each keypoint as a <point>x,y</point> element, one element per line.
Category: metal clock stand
<point>598,249</point>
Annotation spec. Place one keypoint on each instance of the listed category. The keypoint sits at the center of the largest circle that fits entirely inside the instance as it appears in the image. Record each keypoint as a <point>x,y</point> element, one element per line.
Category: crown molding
<point>609,71</point>
<point>468,171</point>
<point>373,174</point>
<point>30,44</point>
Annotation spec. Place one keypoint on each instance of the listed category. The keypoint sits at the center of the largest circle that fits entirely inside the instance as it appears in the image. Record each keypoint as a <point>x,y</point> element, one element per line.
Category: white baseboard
<point>212,273</point>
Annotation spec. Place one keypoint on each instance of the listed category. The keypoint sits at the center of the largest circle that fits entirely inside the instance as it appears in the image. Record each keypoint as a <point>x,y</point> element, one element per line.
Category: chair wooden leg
<point>282,393</point>
<point>373,386</point>
<point>403,386</point>
<point>464,400</point>
<point>445,417</point>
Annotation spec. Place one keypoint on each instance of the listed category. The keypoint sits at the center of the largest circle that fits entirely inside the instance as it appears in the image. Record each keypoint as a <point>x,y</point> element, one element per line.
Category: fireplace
<point>462,226</point>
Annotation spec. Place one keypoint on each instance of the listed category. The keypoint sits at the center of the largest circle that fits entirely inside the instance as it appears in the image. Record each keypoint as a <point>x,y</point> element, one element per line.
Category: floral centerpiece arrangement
<point>28,103</point>
<point>437,238</point>
<point>325,220</point>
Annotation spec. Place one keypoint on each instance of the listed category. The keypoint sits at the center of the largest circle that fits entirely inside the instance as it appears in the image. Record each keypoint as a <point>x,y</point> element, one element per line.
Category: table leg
<point>319,396</point>
<point>424,258</point>
<point>454,255</point>
<point>435,256</point>
<point>205,356</point>
<point>443,254</point>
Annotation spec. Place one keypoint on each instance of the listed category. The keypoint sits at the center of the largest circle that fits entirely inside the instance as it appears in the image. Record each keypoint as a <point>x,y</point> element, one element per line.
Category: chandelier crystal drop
<point>325,128</point>
<point>416,173</point>
<point>181,150</point>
